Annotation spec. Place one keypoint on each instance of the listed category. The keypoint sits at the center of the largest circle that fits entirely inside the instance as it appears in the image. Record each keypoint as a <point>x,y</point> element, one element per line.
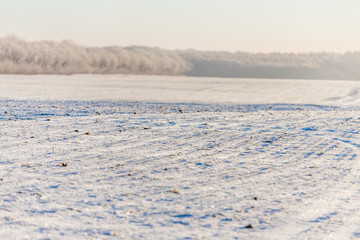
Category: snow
<point>148,157</point>
<point>179,89</point>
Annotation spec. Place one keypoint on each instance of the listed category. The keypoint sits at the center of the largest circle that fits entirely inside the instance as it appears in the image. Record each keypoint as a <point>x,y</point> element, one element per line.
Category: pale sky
<point>231,25</point>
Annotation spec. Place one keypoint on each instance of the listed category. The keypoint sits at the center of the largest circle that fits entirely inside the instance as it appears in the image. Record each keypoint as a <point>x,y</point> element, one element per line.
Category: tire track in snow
<point>335,210</point>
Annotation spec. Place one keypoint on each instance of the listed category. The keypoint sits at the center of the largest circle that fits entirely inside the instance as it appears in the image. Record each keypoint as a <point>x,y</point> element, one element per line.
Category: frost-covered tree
<point>18,56</point>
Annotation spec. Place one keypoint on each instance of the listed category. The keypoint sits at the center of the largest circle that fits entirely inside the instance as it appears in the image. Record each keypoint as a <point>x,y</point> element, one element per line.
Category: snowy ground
<point>104,160</point>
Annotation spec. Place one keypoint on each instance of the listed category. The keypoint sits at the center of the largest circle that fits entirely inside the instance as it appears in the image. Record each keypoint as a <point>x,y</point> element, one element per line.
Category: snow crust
<point>129,157</point>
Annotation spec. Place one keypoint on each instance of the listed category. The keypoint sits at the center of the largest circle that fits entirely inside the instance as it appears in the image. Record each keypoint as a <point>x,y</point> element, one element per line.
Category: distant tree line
<point>18,56</point>
<point>47,57</point>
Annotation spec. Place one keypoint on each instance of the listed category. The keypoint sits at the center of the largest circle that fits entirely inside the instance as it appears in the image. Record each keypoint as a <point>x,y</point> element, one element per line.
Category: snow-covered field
<point>135,157</point>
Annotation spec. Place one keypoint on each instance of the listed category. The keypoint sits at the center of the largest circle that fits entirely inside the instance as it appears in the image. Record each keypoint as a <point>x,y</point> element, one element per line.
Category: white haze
<point>18,56</point>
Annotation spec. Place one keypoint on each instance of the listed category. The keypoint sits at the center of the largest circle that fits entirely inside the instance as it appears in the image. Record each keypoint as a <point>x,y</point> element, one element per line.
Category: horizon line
<point>180,49</point>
